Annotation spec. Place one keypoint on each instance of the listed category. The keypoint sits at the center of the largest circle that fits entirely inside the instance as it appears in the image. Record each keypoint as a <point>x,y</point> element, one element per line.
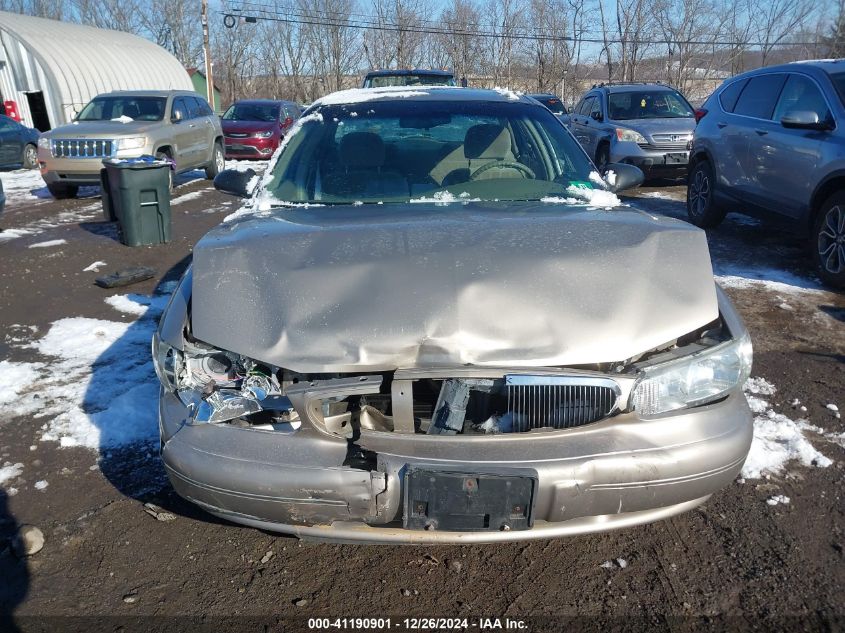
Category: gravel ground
<point>746,559</point>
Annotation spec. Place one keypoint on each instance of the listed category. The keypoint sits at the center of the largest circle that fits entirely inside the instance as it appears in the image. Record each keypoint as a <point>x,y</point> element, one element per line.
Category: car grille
<point>559,402</point>
<point>238,135</point>
<point>668,142</point>
<point>87,148</point>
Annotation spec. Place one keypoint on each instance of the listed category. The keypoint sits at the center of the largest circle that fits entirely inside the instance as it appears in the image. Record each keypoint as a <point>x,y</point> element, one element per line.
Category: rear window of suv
<point>760,95</point>
<point>728,97</point>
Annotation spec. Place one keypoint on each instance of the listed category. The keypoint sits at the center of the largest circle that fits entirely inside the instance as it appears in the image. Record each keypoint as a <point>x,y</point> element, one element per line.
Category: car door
<point>790,157</point>
<point>205,120</point>
<point>11,141</point>
<point>581,120</point>
<point>722,136</point>
<point>595,127</point>
<point>753,112</point>
<point>183,134</point>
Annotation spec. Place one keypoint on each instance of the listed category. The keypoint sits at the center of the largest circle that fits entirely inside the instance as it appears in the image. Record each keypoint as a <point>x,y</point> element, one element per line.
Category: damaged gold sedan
<point>434,322</point>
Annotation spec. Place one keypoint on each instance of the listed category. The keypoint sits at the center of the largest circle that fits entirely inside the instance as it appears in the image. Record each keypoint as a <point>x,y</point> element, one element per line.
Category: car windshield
<point>647,104</point>
<point>122,107</point>
<point>422,79</point>
<point>264,112</point>
<point>415,150</point>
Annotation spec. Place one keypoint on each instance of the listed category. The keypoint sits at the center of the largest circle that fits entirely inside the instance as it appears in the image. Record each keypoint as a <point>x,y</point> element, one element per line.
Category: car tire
<point>828,241</point>
<point>61,191</point>
<point>29,158</point>
<point>702,208</point>
<point>602,156</point>
<point>217,164</point>
<point>166,156</point>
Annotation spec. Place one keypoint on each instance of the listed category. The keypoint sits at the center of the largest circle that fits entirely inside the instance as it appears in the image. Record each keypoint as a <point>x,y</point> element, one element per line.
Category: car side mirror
<point>596,116</point>
<point>621,176</point>
<point>176,117</point>
<point>803,120</point>
<point>235,182</point>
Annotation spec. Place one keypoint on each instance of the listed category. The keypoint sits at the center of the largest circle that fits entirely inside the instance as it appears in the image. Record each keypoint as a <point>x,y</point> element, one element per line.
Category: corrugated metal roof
<point>82,61</point>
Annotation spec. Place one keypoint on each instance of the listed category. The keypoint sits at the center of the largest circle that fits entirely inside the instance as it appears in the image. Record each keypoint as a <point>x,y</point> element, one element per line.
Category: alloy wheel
<point>219,159</point>
<point>831,240</point>
<point>30,156</point>
<point>699,193</point>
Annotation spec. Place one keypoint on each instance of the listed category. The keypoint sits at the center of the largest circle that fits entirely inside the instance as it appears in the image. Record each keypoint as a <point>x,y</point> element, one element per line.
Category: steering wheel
<point>506,164</point>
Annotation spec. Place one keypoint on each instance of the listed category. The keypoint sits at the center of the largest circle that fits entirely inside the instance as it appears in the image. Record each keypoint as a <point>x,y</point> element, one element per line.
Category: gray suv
<point>647,125</point>
<point>771,143</point>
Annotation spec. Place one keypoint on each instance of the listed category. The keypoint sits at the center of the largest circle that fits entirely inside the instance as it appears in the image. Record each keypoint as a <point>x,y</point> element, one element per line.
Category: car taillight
<point>700,114</point>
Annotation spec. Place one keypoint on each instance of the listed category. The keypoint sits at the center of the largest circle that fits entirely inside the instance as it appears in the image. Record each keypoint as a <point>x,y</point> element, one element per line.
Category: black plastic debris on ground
<point>125,277</point>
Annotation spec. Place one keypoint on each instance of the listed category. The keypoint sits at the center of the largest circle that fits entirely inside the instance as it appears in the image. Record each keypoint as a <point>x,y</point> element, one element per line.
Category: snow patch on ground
<point>96,386</point>
<point>185,197</point>
<point>10,472</point>
<point>14,377</point>
<point>95,267</point>
<point>48,244</point>
<point>771,279</point>
<point>40,485</point>
<point>777,438</point>
<point>778,499</point>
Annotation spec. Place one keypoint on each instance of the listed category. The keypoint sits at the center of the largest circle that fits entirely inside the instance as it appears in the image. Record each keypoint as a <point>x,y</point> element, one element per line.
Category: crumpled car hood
<point>381,287</point>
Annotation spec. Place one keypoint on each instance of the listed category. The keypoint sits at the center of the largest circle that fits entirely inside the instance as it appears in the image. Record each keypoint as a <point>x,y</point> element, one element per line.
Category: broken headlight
<point>693,380</point>
<point>215,385</point>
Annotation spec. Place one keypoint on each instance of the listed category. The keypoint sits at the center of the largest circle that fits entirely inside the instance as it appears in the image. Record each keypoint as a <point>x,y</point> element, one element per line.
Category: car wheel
<point>702,208</point>
<point>602,156</point>
<point>217,164</point>
<point>61,191</point>
<point>829,241</point>
<point>165,156</point>
<point>29,160</point>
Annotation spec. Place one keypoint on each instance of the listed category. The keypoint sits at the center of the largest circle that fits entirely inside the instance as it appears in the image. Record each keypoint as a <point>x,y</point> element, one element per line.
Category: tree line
<point>302,49</point>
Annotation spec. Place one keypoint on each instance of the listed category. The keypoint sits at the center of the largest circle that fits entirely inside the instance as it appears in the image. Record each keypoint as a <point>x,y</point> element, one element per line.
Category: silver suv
<point>771,143</point>
<point>647,125</point>
<point>174,124</point>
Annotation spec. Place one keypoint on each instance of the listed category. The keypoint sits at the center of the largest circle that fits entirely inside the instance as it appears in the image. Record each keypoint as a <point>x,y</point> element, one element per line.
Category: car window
<point>759,96</point>
<point>194,111</point>
<point>399,151</point>
<point>203,109</point>
<point>245,111</point>
<point>730,94</point>
<point>585,105</point>
<point>180,107</point>
<point>801,93</point>
<point>647,104</point>
<point>595,107</point>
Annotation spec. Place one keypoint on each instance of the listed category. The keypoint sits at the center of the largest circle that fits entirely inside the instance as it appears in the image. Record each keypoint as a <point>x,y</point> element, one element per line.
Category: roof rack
<point>605,84</point>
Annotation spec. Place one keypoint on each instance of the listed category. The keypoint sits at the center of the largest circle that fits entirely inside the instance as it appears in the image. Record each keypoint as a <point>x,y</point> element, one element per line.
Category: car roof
<point>813,65</point>
<point>636,87</point>
<point>543,95</point>
<point>150,93</point>
<point>261,101</point>
<point>423,93</point>
<point>401,72</point>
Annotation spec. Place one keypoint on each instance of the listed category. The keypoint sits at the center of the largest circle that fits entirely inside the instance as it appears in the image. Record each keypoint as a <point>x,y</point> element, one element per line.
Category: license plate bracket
<point>467,502</point>
<point>676,158</point>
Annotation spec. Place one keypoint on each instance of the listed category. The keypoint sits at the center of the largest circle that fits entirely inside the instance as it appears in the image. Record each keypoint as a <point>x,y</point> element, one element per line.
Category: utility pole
<point>206,53</point>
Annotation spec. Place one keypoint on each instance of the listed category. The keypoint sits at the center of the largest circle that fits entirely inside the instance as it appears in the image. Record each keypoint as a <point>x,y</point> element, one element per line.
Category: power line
<point>324,19</point>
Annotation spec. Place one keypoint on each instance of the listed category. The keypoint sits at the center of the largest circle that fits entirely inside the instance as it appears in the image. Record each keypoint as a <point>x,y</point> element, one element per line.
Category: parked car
<point>178,125</point>
<point>254,128</point>
<point>405,77</point>
<point>18,144</point>
<point>431,331</point>
<point>771,143</point>
<point>552,102</point>
<point>2,198</point>
<point>647,125</point>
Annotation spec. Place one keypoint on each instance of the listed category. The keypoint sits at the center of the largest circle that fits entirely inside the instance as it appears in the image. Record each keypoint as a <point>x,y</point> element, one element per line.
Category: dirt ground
<point>735,563</point>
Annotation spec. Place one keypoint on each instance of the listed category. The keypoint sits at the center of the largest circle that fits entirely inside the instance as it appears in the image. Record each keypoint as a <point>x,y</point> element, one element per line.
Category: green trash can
<point>139,194</point>
<point>105,196</point>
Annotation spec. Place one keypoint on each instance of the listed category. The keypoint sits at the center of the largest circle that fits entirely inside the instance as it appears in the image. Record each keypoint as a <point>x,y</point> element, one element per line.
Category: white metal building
<point>51,69</point>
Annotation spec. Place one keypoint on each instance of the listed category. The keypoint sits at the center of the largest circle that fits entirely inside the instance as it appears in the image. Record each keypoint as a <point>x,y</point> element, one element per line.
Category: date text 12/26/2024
<point>418,624</point>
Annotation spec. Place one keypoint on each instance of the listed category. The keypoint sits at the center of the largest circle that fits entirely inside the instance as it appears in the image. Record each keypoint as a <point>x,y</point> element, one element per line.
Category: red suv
<point>254,128</point>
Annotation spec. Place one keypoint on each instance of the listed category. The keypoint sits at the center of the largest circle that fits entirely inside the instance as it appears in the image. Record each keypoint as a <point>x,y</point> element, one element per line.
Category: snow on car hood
<point>380,287</point>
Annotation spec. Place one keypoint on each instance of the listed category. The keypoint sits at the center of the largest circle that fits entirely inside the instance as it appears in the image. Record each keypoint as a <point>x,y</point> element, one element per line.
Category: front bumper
<point>250,147</point>
<point>76,171</point>
<point>650,160</point>
<point>620,472</point>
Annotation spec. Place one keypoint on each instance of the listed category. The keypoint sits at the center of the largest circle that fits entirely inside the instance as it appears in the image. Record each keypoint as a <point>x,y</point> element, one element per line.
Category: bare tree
<point>460,21</point>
